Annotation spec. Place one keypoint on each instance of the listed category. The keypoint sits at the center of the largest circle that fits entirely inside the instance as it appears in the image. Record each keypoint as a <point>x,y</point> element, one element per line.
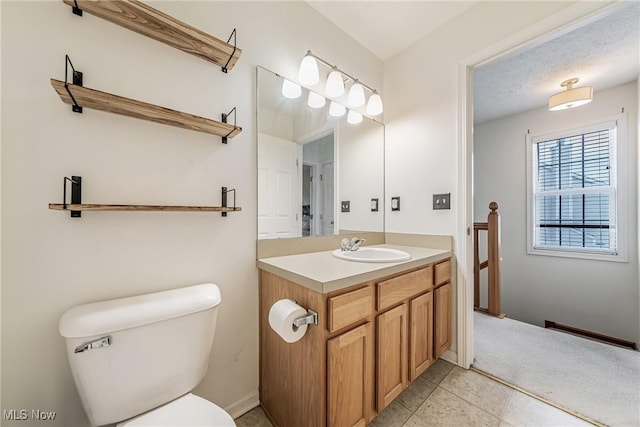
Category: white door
<point>278,188</point>
<point>328,204</point>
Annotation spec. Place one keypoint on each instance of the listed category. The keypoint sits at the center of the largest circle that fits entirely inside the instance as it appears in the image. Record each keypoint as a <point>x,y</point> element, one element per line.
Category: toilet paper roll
<point>281,317</point>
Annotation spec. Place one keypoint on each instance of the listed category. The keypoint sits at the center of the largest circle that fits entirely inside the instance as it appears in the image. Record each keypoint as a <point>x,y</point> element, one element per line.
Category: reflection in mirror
<point>317,174</point>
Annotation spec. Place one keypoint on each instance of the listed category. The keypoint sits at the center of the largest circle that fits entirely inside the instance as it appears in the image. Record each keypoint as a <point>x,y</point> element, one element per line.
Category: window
<point>573,193</point>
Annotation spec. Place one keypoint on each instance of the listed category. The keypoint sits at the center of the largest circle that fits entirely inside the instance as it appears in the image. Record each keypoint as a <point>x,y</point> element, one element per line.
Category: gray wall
<point>598,296</point>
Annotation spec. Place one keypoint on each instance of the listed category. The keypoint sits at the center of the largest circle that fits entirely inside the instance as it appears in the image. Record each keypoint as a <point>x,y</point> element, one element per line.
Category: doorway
<point>318,180</point>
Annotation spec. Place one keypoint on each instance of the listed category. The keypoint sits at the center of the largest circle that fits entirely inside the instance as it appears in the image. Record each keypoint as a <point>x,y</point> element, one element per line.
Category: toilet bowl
<point>188,410</point>
<point>135,360</point>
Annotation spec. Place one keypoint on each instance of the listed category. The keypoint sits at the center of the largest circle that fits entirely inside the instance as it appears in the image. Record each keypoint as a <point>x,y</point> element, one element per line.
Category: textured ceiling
<point>388,27</point>
<point>602,54</point>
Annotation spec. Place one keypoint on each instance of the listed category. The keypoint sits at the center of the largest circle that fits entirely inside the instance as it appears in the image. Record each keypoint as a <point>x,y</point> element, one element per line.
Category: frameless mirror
<point>317,174</point>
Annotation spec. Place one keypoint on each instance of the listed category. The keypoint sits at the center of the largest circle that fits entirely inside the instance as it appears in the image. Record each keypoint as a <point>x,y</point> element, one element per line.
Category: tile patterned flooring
<point>446,395</point>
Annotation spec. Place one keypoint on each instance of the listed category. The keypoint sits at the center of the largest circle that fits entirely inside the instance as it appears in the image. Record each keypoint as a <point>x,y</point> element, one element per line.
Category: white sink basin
<point>367,254</point>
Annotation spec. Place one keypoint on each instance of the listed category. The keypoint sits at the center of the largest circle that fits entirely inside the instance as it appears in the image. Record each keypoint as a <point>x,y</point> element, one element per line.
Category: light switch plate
<point>374,205</point>
<point>395,203</point>
<point>442,201</point>
<point>346,206</point>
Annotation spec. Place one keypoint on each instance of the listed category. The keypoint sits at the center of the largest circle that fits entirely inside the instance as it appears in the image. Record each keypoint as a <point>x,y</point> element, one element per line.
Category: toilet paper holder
<point>310,319</point>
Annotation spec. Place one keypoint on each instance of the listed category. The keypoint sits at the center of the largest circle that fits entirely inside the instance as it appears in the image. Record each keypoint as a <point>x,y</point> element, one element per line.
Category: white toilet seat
<point>186,411</point>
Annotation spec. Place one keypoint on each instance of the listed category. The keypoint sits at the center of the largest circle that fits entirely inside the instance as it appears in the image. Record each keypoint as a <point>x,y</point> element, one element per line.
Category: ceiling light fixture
<point>571,97</point>
<point>335,86</point>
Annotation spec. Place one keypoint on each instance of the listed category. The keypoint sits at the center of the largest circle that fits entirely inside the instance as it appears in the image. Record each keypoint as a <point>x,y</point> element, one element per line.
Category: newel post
<point>493,225</point>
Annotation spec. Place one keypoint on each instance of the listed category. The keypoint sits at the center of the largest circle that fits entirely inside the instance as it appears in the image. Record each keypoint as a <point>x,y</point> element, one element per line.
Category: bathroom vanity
<point>380,325</point>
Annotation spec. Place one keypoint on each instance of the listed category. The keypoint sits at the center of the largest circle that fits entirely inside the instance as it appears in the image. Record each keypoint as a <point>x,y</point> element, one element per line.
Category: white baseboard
<point>450,356</point>
<point>243,405</point>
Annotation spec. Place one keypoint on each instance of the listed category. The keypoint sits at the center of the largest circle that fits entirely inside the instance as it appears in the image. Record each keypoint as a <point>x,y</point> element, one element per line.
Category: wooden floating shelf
<point>103,207</point>
<point>97,100</point>
<point>136,16</point>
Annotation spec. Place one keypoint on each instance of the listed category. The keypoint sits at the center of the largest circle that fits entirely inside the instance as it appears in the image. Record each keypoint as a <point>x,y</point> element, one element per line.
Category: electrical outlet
<point>374,205</point>
<point>442,201</point>
<point>346,206</point>
<point>395,203</point>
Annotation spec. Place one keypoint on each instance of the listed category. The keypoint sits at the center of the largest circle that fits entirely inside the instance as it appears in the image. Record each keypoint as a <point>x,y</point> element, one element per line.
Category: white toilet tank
<point>130,355</point>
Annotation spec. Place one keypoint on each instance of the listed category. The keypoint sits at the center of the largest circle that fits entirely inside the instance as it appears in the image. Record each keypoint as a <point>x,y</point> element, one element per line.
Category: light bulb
<point>335,84</point>
<point>356,95</point>
<point>374,106</point>
<point>315,101</point>
<point>336,110</point>
<point>290,89</point>
<point>308,73</point>
<point>354,117</point>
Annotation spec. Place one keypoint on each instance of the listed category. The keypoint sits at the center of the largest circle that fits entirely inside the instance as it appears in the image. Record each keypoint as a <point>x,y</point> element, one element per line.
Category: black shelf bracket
<point>235,44</point>
<point>224,120</point>
<point>77,81</point>
<point>76,194</point>
<point>75,9</point>
<point>224,198</point>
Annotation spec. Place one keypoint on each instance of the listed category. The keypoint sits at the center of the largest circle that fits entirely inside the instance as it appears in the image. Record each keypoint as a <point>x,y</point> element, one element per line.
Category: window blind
<point>575,192</point>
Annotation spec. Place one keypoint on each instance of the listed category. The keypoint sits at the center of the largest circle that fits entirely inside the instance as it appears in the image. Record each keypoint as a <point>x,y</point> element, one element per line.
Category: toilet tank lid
<point>123,313</point>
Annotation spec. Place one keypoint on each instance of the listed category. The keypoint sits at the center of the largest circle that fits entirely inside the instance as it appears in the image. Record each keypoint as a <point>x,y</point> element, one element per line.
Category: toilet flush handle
<point>99,343</point>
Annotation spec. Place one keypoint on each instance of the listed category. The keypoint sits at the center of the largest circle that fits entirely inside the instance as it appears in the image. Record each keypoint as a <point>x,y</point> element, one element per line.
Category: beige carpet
<point>597,380</point>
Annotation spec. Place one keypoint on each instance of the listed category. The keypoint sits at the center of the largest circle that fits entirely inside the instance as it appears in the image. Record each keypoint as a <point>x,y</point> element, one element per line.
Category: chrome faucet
<point>351,245</point>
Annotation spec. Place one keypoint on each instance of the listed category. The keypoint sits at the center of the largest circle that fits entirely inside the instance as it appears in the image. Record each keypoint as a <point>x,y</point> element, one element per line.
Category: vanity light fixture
<point>356,95</point>
<point>354,117</point>
<point>315,100</point>
<point>308,75</point>
<point>290,89</point>
<point>374,106</point>
<point>308,72</point>
<point>336,110</point>
<point>572,97</point>
<point>335,84</point>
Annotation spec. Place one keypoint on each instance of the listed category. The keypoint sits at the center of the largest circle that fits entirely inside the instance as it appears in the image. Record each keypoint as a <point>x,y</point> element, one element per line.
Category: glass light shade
<point>335,84</point>
<point>308,72</point>
<point>356,95</point>
<point>336,110</point>
<point>290,89</point>
<point>571,98</point>
<point>316,101</point>
<point>354,117</point>
<point>374,106</point>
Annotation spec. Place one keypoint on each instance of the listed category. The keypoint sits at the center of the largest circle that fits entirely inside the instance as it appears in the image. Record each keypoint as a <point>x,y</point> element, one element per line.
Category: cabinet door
<point>420,335</point>
<point>391,355</point>
<point>350,377</point>
<point>442,319</point>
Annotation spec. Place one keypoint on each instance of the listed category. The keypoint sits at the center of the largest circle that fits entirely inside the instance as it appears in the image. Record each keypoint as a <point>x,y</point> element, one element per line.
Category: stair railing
<point>492,226</point>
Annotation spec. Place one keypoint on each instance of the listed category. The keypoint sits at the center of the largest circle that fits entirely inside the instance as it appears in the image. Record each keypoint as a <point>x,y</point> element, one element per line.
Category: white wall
<point>361,160</point>
<point>421,110</point>
<point>598,296</point>
<point>422,123</point>
<point>51,262</point>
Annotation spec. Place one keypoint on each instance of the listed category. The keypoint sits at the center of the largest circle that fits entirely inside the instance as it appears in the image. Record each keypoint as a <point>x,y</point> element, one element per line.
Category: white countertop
<point>324,273</point>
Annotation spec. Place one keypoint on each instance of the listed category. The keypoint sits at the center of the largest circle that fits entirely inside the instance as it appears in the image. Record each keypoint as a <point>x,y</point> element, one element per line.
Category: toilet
<point>135,360</point>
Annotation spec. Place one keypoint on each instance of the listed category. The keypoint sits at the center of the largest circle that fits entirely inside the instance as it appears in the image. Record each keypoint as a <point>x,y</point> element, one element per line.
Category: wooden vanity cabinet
<point>350,377</point>
<point>371,342</point>
<point>404,333</point>
<point>391,355</point>
<point>442,307</point>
